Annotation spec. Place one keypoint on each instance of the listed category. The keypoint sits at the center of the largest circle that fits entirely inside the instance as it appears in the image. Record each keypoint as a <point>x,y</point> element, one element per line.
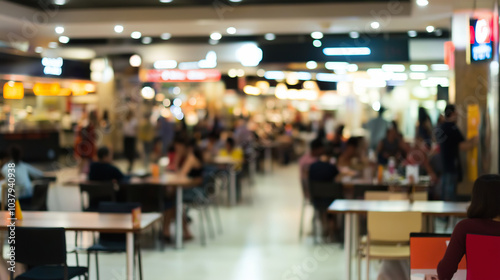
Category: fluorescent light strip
<point>419,67</point>
<point>347,51</point>
<point>327,77</point>
<point>440,67</point>
<point>393,67</point>
<point>274,75</point>
<point>165,64</point>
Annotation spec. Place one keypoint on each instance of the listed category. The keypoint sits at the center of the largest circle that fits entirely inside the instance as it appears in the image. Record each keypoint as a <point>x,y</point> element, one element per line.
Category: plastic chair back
<point>97,192</point>
<point>393,226</point>
<point>149,196</point>
<point>40,246</point>
<point>325,190</point>
<point>40,194</point>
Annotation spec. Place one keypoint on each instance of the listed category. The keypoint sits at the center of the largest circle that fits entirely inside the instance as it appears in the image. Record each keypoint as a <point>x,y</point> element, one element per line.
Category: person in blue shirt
<point>23,172</point>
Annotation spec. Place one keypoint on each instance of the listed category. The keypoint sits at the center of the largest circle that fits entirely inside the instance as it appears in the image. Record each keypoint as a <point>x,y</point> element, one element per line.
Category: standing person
<point>451,141</point>
<point>130,139</point>
<point>85,141</point>
<point>316,149</point>
<point>166,133</point>
<point>424,128</point>
<point>146,136</point>
<point>377,128</point>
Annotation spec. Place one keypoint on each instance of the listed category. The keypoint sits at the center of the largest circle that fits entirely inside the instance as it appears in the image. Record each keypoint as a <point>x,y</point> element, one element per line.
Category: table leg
<point>178,218</point>
<point>130,255</point>
<point>347,244</point>
<point>232,187</point>
<point>355,233</point>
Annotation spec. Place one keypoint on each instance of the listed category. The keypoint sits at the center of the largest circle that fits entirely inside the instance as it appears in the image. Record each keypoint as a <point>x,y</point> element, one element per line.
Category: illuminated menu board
<point>481,40</point>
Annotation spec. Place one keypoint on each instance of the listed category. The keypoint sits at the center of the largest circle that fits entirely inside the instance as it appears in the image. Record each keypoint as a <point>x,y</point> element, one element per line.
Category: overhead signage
<point>481,40</point>
<point>177,75</point>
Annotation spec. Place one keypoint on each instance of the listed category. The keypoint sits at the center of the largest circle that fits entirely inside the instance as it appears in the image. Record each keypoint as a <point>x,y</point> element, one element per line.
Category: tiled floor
<point>259,240</point>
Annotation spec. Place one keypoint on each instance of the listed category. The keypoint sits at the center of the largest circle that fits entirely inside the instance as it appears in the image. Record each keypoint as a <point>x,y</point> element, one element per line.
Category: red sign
<point>176,75</point>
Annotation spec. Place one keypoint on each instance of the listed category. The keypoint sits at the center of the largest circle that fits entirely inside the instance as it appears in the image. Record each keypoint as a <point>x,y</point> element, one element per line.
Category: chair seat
<point>389,251</point>
<point>52,273</point>
<point>108,247</point>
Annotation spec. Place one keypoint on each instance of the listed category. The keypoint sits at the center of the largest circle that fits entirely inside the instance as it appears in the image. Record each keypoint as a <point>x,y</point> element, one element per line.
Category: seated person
<point>315,151</point>
<point>323,171</point>
<point>348,161</point>
<point>103,170</point>
<point>24,173</point>
<point>391,146</point>
<point>210,146</point>
<point>233,152</point>
<point>483,217</point>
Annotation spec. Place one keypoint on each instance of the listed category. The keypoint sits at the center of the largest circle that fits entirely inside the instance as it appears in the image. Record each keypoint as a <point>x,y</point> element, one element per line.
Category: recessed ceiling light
<point>213,42</point>
<point>412,33</point>
<point>64,39</point>
<point>166,36</point>
<point>53,45</point>
<point>354,34</point>
<point>147,40</point>
<point>375,25</point>
<point>59,29</point>
<point>235,1</point>
<point>422,3</point>
<point>38,49</point>
<point>419,67</point>
<point>311,64</point>
<point>231,30</point>
<point>430,28</point>
<point>135,60</point>
<point>60,2</point>
<point>216,36</point>
<point>118,28</point>
<point>270,36</point>
<point>165,1</point>
<point>317,43</point>
<point>136,35</point>
<point>317,35</point>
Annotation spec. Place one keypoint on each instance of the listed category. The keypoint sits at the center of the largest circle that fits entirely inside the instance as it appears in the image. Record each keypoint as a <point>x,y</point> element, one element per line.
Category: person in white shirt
<point>24,173</point>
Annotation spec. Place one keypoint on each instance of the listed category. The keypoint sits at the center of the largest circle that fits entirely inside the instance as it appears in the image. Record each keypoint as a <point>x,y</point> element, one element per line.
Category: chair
<point>483,256</point>
<point>211,184</point>
<point>40,194</point>
<point>388,237</point>
<point>322,194</point>
<point>44,249</point>
<point>359,190</point>
<point>113,242</point>
<point>97,192</point>
<point>386,195</point>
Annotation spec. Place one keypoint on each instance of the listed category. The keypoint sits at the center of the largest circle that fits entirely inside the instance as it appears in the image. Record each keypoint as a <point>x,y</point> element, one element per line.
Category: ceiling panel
<point>92,4</point>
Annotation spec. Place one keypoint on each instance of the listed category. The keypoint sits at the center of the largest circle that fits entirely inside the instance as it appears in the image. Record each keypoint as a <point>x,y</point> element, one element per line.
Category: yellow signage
<point>473,122</point>
<point>13,90</point>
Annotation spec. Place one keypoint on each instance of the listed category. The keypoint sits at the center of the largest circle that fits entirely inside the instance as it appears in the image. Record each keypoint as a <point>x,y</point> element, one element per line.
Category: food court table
<point>89,221</point>
<point>179,182</point>
<point>352,208</point>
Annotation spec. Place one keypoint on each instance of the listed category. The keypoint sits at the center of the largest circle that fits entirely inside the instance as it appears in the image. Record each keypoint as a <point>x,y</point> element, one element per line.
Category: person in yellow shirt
<point>233,152</point>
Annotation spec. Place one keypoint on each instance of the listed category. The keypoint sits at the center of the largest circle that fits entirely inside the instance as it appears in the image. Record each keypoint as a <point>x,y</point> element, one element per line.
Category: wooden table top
<point>435,208</point>
<point>82,221</point>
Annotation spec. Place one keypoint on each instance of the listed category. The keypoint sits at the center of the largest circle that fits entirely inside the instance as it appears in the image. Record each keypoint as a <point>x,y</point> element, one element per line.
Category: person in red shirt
<point>483,218</point>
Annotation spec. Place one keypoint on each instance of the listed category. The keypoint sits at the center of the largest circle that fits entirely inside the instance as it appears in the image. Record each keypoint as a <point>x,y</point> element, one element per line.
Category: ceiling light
<point>329,77</point>
<point>165,1</point>
<point>166,36</point>
<point>148,92</point>
<point>376,106</point>
<point>249,55</point>
<point>147,40</point>
<point>317,43</point>
<point>375,25</point>
<point>60,2</point>
<point>136,35</point>
<point>317,35</point>
<point>274,75</point>
<point>440,67</point>
<point>352,68</point>
<point>270,36</point>
<point>235,1</point>
<point>216,36</point>
<point>135,60</point>
<point>412,33</point>
<point>59,29</point>
<point>231,30</point>
<point>64,39</point>
<point>38,49</point>
<point>418,76</point>
<point>311,64</point>
<point>240,73</point>
<point>422,3</point>
<point>430,28</point>
<point>347,51</point>
<point>393,67</point>
<point>213,42</point>
<point>354,34</point>
<point>419,67</point>
<point>261,72</point>
<point>118,28</point>
<point>232,73</point>
<point>53,45</point>
<point>165,64</point>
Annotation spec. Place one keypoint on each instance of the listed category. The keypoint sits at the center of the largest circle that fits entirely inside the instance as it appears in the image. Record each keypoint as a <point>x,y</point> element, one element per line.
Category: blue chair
<point>44,250</point>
